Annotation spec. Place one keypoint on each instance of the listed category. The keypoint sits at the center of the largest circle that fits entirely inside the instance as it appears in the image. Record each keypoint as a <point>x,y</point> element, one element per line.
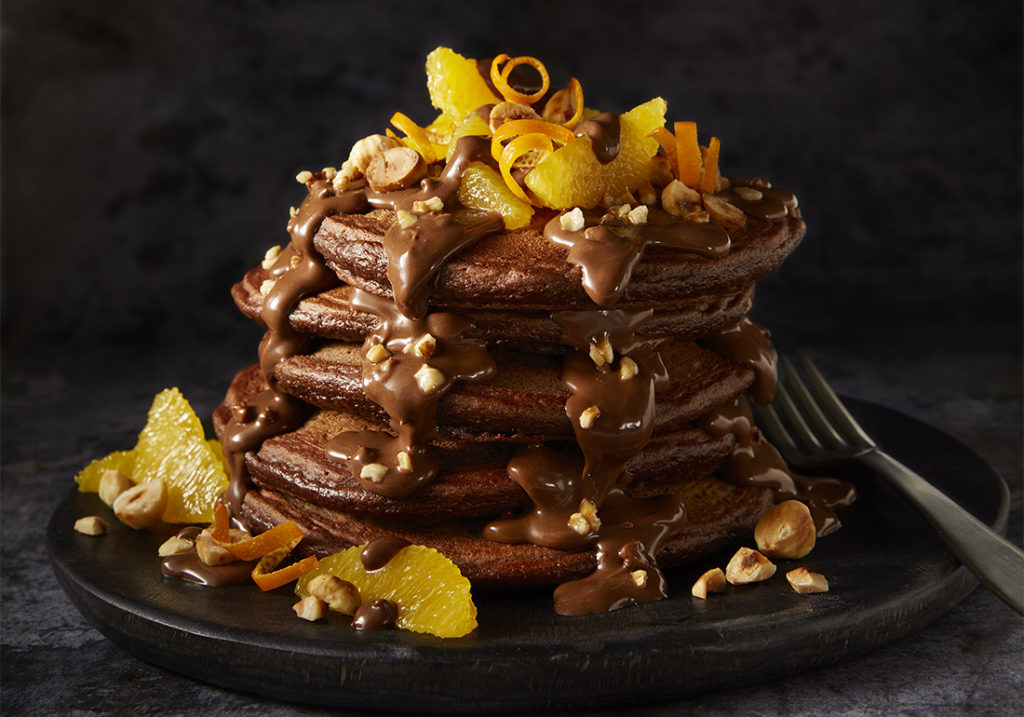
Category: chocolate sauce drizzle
<point>298,272</point>
<point>604,134</point>
<point>609,247</point>
<point>187,565</point>
<point>755,462</point>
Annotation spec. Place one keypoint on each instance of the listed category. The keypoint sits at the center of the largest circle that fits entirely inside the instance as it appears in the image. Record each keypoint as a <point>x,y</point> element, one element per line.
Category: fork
<point>811,428</point>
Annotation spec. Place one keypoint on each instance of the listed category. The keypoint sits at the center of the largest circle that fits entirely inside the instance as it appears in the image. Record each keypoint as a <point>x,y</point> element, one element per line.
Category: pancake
<point>719,515</point>
<point>521,270</point>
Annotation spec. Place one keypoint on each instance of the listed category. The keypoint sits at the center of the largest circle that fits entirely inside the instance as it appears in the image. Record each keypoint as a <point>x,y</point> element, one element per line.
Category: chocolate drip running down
<point>609,247</point>
<point>409,364</point>
<point>298,272</point>
<point>604,133</point>
<point>754,461</point>
<point>751,345</point>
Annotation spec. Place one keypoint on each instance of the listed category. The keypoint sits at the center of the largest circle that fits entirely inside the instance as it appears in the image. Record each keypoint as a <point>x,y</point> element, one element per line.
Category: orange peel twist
<point>416,135</point>
<point>500,78</point>
<point>576,90</point>
<point>516,149</point>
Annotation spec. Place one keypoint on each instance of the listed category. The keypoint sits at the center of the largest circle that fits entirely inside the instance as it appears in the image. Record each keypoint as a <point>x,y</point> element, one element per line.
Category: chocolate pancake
<point>473,480</point>
<point>526,398</point>
<point>330,315</point>
<point>718,515</point>
<point>521,270</point>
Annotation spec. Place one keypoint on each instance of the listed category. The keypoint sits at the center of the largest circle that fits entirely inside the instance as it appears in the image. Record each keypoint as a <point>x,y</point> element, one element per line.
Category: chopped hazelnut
<point>678,199</point>
<point>373,472</point>
<point>588,416</point>
<point>698,215</point>
<point>404,461</point>
<point>292,211</point>
<point>638,214</point>
<point>572,221</point>
<point>142,506</point>
<point>586,519</point>
<point>424,347</point>
<point>329,172</point>
<point>112,484</point>
<point>294,261</point>
<point>266,286</point>
<point>405,219</point>
<point>602,353</point>
<point>310,608</point>
<point>434,204</point>
<point>429,378</point>
<point>639,578</point>
<point>211,552</point>
<point>304,177</point>
<point>713,581</point>
<point>91,525</point>
<point>646,194</point>
<point>270,258</point>
<point>786,530</point>
<point>627,368</point>
<point>377,353</point>
<point>174,546</point>
<point>339,595</point>
<point>395,168</point>
<point>748,566</point>
<point>749,193</point>
<point>724,213</point>
<point>804,581</point>
<point>621,210</point>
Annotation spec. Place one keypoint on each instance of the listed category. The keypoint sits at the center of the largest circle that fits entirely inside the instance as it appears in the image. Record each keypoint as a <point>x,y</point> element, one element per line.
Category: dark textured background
<point>149,150</point>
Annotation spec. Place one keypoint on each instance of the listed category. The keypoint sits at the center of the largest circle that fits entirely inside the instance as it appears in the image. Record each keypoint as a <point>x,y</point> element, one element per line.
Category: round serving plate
<point>888,572</point>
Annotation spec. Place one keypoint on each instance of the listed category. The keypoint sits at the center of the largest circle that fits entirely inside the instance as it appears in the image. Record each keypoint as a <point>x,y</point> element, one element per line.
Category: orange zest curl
<point>500,78</point>
<point>267,578</point>
<point>668,143</point>
<point>416,135</point>
<point>709,182</point>
<point>221,525</point>
<point>688,152</point>
<point>514,150</point>
<point>556,132</point>
<point>287,533</point>
<point>576,90</point>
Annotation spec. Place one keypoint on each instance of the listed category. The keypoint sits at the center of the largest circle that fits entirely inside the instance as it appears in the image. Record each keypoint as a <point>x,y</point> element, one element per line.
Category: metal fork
<point>811,428</point>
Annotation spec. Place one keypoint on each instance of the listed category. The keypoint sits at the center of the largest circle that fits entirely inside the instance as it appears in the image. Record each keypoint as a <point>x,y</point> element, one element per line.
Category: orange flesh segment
<point>688,154</point>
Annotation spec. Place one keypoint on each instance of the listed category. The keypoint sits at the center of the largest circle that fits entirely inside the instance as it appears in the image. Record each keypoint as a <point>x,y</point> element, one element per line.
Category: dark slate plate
<point>889,574</point>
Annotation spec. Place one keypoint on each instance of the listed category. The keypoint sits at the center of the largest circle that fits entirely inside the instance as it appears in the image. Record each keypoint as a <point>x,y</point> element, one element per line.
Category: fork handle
<point>995,561</point>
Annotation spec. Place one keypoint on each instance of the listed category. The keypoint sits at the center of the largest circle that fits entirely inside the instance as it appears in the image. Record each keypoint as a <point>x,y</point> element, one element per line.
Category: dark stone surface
<point>149,150</point>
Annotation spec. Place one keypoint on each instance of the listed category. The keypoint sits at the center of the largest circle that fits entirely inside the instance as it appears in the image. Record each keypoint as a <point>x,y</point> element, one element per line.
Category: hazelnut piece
<point>804,581</point>
<point>91,525</point>
<point>786,531</point>
<point>713,581</point>
<point>395,168</point>
<point>112,484</point>
<point>748,566</point>
<point>340,595</point>
<point>310,608</point>
<point>142,506</point>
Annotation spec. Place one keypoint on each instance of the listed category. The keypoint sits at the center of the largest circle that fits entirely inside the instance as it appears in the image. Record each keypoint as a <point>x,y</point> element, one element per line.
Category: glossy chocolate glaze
<point>754,461</point>
<point>604,134</point>
<point>751,345</point>
<point>375,615</point>
<point>392,383</point>
<point>187,565</point>
<point>609,247</point>
<point>379,551</point>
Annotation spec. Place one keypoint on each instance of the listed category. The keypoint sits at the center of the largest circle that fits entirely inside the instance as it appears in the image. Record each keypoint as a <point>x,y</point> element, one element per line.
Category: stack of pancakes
<point>512,286</point>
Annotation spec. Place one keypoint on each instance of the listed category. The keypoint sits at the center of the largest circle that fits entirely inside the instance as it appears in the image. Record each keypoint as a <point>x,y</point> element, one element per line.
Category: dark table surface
<point>148,155</point>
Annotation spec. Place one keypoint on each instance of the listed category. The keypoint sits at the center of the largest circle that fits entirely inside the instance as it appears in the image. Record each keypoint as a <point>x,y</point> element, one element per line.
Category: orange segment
<point>172,446</point>
<point>88,478</point>
<point>455,85</point>
<point>572,176</point>
<point>474,125</point>
<point>431,594</point>
<point>483,188</point>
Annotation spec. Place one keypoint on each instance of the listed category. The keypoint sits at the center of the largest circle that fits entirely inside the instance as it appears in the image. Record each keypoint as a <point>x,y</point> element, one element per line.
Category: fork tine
<point>812,412</point>
<point>831,404</point>
<point>772,425</point>
<point>797,424</point>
